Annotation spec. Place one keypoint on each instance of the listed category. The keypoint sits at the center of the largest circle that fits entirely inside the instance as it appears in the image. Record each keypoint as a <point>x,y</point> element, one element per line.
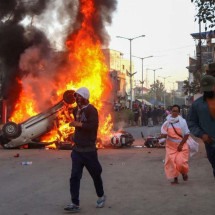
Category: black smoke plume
<point>13,42</point>
<point>17,40</point>
<point>101,17</point>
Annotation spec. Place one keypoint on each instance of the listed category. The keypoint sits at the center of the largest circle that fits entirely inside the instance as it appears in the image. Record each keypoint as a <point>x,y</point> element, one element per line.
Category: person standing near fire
<point>84,153</point>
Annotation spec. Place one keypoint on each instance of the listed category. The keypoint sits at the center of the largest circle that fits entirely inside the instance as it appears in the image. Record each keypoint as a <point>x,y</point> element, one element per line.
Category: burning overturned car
<point>15,135</point>
<point>30,131</point>
<point>37,68</point>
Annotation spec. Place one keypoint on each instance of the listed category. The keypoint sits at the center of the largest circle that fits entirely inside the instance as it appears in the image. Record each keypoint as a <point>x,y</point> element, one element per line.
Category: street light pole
<point>142,58</point>
<point>164,96</point>
<point>199,54</point>
<point>173,93</point>
<point>154,80</point>
<point>130,73</point>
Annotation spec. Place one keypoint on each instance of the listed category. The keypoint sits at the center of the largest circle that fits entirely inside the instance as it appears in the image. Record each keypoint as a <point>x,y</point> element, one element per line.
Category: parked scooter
<point>153,141</point>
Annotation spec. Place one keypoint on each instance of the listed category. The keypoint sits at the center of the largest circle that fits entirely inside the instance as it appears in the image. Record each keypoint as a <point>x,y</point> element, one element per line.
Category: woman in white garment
<point>176,132</point>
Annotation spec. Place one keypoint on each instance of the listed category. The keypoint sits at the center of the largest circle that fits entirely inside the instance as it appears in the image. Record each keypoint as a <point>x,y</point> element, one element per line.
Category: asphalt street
<point>134,182</point>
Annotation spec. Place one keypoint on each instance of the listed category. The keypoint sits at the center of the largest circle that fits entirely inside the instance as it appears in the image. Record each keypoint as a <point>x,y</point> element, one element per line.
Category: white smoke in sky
<point>56,22</point>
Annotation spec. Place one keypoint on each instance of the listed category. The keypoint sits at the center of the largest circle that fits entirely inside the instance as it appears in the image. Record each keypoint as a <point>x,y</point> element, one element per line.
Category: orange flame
<point>86,68</point>
<point>25,107</point>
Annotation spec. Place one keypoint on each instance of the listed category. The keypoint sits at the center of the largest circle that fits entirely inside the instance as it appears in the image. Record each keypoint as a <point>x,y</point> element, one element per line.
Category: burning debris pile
<point>35,73</point>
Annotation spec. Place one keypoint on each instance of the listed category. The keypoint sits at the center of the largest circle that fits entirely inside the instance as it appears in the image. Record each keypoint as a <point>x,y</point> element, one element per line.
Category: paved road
<point>134,183</point>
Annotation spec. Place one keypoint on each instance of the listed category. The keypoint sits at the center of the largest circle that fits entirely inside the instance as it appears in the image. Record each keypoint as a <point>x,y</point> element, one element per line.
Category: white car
<point>15,135</point>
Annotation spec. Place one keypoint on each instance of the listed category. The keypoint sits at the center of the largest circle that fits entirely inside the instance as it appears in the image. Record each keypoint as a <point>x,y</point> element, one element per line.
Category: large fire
<point>86,68</point>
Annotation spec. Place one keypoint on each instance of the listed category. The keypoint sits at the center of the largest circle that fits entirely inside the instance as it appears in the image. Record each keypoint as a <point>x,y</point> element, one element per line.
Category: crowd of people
<point>146,115</point>
<point>149,116</point>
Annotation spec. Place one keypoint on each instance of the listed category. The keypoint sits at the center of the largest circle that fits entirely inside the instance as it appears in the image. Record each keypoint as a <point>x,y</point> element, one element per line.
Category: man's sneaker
<point>101,202</point>
<point>72,208</point>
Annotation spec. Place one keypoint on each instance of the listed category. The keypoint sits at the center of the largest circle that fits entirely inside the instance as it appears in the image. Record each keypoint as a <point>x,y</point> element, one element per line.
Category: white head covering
<point>84,92</point>
<point>182,123</point>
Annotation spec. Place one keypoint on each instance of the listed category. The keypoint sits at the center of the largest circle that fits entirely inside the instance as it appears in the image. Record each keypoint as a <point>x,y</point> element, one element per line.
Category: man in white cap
<point>84,153</point>
<point>201,117</point>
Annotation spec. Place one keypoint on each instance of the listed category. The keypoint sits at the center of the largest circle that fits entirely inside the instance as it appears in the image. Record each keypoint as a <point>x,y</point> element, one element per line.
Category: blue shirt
<point>199,119</point>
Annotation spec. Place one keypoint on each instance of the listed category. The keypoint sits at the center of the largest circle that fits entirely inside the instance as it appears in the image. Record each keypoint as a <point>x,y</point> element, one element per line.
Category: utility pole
<point>199,54</point>
<point>173,92</point>
<point>164,95</point>
<point>130,72</point>
<point>142,81</point>
<point>155,96</point>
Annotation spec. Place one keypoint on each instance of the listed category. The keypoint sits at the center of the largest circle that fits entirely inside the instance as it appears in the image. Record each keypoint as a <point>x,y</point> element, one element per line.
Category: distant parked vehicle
<point>153,141</point>
<point>14,135</point>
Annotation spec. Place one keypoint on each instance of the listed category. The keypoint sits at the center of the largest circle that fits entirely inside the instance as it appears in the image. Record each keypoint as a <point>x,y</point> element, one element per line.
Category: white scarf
<point>170,119</point>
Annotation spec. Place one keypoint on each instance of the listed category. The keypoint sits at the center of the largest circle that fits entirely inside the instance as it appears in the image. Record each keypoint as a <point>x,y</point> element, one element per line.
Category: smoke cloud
<point>32,37</point>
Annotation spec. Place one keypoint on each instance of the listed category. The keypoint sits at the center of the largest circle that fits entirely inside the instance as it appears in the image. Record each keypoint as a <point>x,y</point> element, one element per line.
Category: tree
<point>205,11</point>
<point>191,88</point>
<point>157,89</point>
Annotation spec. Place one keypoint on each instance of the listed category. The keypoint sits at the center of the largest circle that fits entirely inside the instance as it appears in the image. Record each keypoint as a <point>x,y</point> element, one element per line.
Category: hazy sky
<point>167,25</point>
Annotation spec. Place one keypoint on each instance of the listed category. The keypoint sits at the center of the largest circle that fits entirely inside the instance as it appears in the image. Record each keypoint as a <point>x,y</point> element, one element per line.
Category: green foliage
<point>157,88</point>
<point>191,88</point>
<point>205,11</point>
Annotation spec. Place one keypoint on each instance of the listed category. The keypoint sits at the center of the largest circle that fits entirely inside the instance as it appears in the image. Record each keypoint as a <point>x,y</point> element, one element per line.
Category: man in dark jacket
<point>201,117</point>
<point>84,152</point>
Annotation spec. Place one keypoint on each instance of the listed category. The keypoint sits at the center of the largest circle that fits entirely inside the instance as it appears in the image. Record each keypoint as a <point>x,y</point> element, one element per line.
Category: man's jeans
<point>90,161</point>
<point>210,149</point>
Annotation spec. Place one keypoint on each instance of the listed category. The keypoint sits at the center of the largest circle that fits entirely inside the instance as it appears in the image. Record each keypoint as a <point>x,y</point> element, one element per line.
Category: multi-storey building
<point>118,69</point>
<point>204,60</point>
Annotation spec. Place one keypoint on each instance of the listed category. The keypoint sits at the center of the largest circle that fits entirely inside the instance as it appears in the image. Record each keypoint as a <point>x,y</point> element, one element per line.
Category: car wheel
<point>69,97</point>
<point>11,130</point>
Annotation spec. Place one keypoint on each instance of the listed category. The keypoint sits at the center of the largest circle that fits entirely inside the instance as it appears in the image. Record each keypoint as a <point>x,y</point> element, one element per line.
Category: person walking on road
<point>176,132</point>
<point>149,117</point>
<point>140,115</point>
<point>84,153</point>
<point>201,118</point>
